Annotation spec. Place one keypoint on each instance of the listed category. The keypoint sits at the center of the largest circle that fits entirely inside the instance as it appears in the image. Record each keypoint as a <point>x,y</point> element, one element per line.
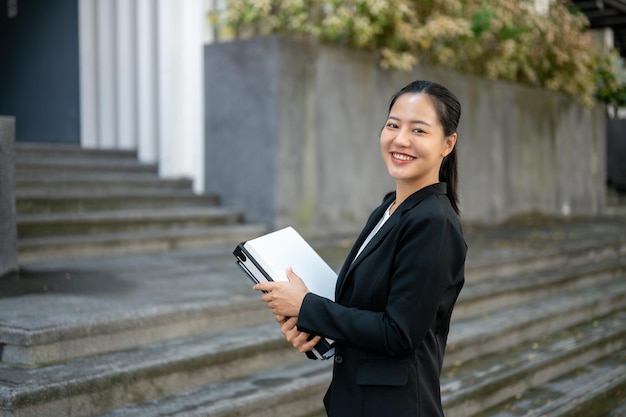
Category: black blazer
<point>392,312</point>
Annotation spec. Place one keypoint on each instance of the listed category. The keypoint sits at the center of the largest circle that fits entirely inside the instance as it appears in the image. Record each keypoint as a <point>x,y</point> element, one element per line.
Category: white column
<point>145,76</point>
<point>125,74</point>
<point>88,73</point>
<point>181,89</point>
<point>142,81</point>
<point>167,61</point>
<point>106,74</point>
<point>194,21</point>
<point>208,29</point>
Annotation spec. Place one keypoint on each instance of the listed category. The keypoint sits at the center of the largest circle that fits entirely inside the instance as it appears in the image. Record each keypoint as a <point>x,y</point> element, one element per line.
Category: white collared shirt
<point>375,230</point>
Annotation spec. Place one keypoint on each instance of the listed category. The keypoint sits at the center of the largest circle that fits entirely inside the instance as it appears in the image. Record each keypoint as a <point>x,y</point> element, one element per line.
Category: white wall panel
<point>146,81</point>
<point>88,73</point>
<point>126,62</point>
<point>105,41</point>
<point>181,89</point>
<point>142,81</point>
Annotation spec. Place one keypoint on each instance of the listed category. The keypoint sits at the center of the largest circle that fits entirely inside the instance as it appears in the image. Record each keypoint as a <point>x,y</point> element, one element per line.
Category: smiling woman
<point>413,144</point>
<point>431,113</point>
<point>397,288</point>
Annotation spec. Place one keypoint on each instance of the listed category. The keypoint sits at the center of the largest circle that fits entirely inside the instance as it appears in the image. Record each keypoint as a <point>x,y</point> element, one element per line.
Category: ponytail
<point>448,174</point>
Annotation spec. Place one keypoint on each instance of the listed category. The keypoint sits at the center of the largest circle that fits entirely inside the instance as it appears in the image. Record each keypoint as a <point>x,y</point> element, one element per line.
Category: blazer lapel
<point>378,237</point>
<point>371,223</point>
<point>409,203</point>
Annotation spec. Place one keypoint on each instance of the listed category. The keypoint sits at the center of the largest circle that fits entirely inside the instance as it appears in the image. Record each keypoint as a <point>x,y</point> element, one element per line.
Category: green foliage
<point>481,22</point>
<point>611,81</point>
<point>499,39</point>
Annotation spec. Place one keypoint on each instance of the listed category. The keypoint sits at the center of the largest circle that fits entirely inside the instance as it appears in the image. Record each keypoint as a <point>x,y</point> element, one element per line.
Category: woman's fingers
<point>299,340</point>
<point>304,342</point>
<point>310,344</point>
<point>288,326</point>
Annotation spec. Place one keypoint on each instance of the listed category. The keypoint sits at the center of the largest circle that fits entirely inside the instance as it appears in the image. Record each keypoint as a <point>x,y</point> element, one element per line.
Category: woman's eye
<point>418,131</point>
<point>392,125</point>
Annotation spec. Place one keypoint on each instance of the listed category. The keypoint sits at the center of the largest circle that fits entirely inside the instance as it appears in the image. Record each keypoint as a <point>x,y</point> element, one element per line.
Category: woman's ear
<point>449,143</point>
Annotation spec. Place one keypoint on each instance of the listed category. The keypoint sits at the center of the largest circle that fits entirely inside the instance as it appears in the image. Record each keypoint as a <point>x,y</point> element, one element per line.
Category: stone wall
<point>8,231</point>
<point>292,138</point>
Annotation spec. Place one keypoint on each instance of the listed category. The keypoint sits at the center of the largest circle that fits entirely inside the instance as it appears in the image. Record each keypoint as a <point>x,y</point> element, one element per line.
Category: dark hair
<point>448,110</point>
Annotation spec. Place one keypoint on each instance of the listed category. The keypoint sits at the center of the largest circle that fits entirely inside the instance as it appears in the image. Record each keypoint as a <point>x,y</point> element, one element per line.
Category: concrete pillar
<point>8,227</point>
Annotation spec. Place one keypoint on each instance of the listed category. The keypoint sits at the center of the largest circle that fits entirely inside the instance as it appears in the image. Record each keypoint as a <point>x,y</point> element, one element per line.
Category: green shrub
<point>498,39</point>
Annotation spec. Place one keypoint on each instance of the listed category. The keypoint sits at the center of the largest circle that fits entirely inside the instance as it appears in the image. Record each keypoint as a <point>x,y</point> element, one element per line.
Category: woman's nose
<point>402,138</point>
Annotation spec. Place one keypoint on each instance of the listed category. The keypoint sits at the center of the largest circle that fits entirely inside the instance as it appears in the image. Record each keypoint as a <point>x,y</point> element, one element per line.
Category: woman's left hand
<point>300,340</point>
<point>285,297</point>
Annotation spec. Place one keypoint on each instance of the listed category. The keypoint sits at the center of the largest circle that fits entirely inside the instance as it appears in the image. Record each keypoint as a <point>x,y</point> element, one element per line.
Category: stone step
<point>594,389</point>
<point>484,297</point>
<point>482,267</point>
<point>87,387</point>
<point>206,301</point>
<point>71,224</point>
<point>490,265</point>
<point>49,169</point>
<point>53,150</point>
<point>62,176</point>
<point>71,247</point>
<point>87,182</point>
<point>286,391</point>
<point>30,158</point>
<point>74,202</point>
<point>112,326</point>
<point>619,410</point>
<point>78,165</point>
<point>297,390</point>
<point>471,387</point>
<point>93,306</point>
<point>475,337</point>
<point>106,295</point>
<point>104,200</point>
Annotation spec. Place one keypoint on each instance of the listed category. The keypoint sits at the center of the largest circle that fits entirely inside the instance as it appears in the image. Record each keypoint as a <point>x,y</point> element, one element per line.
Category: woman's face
<point>412,141</point>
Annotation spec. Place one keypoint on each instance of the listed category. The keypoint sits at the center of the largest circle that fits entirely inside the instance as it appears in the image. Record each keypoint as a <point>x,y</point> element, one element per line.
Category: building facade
<point>117,74</point>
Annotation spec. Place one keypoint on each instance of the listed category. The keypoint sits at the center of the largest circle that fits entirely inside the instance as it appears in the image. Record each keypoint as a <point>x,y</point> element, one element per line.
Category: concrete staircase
<point>73,202</point>
<point>539,329</point>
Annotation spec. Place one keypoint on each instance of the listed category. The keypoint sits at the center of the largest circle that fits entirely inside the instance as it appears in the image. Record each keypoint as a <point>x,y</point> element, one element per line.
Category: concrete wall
<point>8,228</point>
<point>292,138</point>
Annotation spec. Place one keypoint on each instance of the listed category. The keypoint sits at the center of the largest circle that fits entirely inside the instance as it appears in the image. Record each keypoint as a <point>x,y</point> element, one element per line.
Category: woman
<point>396,291</point>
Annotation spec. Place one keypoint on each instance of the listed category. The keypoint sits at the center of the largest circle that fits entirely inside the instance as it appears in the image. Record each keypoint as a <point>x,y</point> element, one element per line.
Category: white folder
<point>268,257</point>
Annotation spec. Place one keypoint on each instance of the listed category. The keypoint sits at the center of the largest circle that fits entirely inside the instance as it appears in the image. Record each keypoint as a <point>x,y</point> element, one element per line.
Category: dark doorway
<point>39,69</point>
<point>616,150</point>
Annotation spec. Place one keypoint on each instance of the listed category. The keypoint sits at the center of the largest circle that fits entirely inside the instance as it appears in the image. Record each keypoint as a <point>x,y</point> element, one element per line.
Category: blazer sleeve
<point>428,251</point>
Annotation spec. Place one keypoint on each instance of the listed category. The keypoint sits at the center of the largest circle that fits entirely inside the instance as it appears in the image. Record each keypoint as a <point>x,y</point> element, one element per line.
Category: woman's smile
<point>401,157</point>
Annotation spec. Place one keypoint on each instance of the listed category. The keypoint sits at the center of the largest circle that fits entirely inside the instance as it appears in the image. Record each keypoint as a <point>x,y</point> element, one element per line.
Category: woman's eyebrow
<point>418,122</point>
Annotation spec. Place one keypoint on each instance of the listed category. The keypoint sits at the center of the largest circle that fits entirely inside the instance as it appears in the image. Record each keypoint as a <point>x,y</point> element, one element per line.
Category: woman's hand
<point>299,340</point>
<point>285,297</point>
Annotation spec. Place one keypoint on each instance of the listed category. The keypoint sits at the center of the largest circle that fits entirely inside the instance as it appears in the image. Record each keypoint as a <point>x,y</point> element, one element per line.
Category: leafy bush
<point>498,39</point>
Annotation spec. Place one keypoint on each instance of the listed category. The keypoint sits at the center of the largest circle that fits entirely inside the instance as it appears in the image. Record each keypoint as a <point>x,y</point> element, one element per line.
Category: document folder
<point>267,258</point>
